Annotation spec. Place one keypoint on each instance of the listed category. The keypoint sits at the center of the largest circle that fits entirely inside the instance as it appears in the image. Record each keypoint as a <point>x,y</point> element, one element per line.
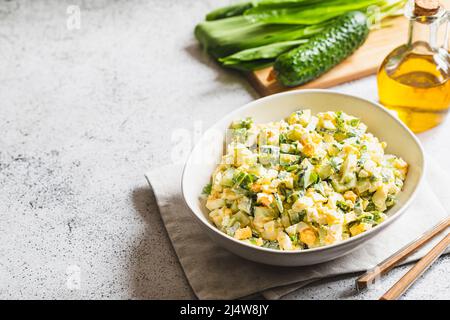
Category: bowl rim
<point>321,248</point>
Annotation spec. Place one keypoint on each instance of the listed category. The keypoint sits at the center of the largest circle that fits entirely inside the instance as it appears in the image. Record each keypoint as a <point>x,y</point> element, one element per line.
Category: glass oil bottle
<point>413,80</point>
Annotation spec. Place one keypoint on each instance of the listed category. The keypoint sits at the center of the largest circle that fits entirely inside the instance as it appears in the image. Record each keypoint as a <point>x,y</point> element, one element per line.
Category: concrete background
<point>83,114</point>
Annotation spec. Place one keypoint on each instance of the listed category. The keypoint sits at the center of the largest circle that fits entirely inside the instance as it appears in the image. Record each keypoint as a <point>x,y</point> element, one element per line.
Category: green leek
<point>264,52</point>
<point>309,15</point>
<point>229,11</point>
<point>228,36</point>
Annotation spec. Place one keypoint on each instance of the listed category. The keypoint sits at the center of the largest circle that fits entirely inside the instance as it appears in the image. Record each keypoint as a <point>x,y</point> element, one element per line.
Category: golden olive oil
<point>413,79</point>
<point>417,90</point>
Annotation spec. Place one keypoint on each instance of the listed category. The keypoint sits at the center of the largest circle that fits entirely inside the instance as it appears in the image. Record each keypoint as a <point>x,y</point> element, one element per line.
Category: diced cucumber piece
<point>234,207</point>
<point>288,148</point>
<point>243,219</point>
<point>294,216</point>
<point>310,177</point>
<point>269,155</point>
<point>288,159</point>
<point>278,202</point>
<point>336,163</point>
<point>341,186</point>
<point>227,178</point>
<point>245,204</point>
<point>325,170</point>
<point>231,230</point>
<point>285,220</point>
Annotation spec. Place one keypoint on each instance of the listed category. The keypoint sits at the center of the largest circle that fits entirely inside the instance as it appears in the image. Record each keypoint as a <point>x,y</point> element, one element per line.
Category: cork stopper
<point>426,7</point>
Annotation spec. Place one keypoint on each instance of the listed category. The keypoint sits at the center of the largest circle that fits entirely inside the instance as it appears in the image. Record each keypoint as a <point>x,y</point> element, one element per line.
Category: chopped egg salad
<point>303,182</point>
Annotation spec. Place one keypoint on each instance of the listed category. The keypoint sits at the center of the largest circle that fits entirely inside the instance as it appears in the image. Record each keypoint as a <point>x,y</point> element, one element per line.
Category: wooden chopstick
<point>386,265</point>
<point>415,272</point>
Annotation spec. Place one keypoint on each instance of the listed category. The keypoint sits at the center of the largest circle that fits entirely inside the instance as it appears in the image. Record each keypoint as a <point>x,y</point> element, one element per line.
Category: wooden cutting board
<point>365,61</point>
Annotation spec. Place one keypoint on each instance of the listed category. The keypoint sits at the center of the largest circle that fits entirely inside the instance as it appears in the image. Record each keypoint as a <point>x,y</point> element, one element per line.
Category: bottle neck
<point>421,37</point>
<point>427,34</point>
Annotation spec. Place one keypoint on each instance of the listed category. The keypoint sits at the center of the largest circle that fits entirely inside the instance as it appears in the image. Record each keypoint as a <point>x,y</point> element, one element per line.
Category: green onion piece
<point>263,52</point>
<point>229,11</point>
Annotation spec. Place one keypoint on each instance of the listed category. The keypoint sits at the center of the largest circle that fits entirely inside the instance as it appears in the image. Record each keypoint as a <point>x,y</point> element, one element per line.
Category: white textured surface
<point>84,113</point>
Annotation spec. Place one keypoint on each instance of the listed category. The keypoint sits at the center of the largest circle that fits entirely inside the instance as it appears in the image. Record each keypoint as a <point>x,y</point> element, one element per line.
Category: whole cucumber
<point>323,51</point>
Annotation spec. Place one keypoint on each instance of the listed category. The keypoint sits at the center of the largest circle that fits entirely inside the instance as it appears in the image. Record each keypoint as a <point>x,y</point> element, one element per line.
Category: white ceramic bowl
<point>208,151</point>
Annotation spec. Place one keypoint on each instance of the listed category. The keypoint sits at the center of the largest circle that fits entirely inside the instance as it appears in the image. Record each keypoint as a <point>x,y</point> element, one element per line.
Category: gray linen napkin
<point>215,273</point>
